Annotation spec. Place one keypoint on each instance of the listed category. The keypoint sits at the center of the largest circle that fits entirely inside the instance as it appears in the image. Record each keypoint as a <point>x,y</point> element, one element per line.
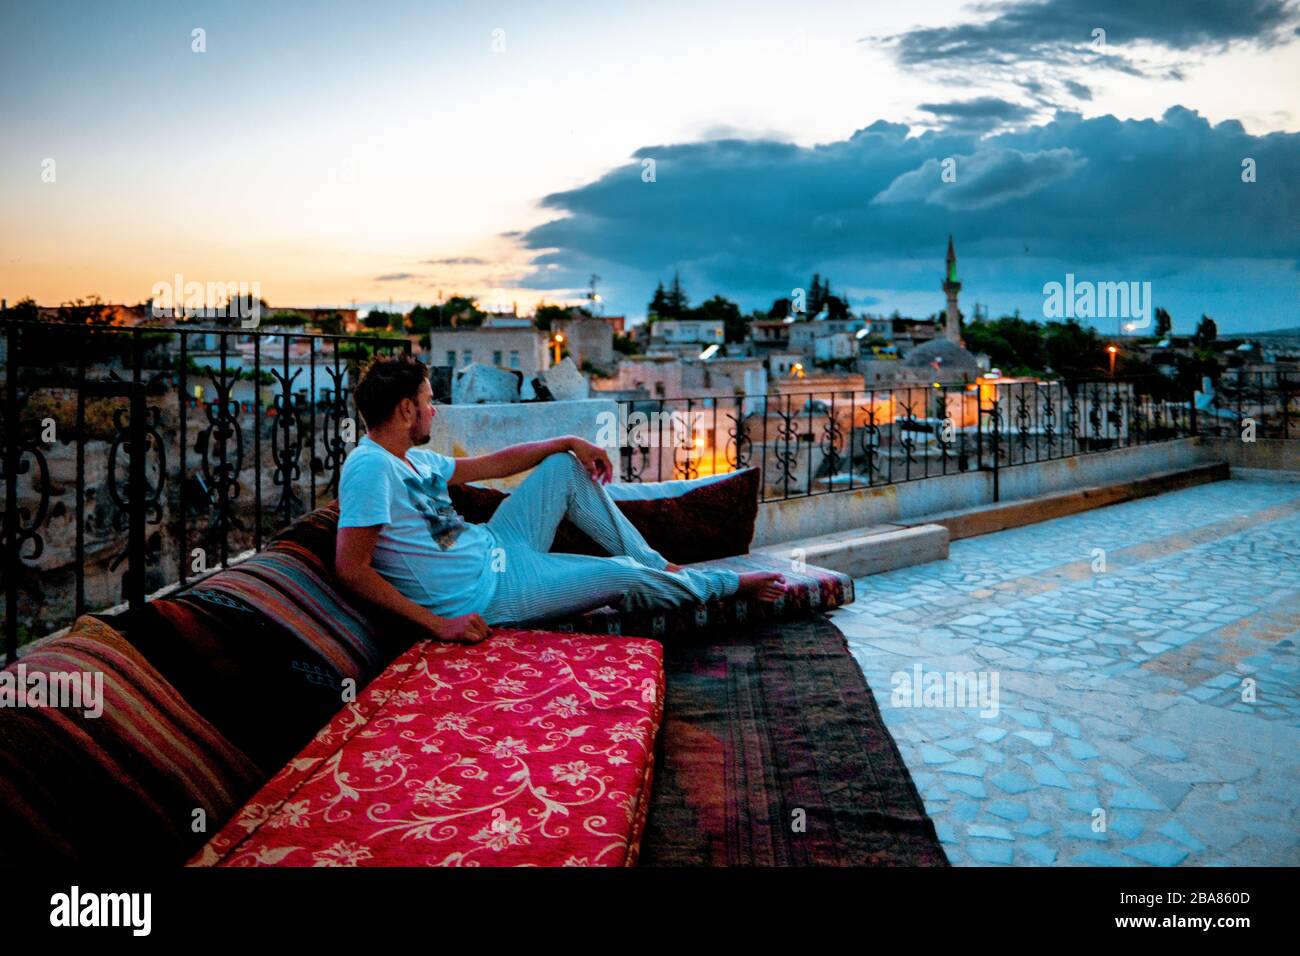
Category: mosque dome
<point>953,358</point>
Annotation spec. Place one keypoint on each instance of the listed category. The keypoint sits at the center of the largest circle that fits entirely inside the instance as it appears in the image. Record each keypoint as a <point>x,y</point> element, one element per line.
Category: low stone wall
<point>1274,454</point>
<point>796,518</point>
<point>463,431</point>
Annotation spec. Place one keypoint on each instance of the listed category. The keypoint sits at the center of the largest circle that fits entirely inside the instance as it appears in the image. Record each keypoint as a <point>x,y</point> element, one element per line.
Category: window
<point>659,389</point>
<point>451,358</point>
<point>514,358</point>
<point>466,356</point>
<point>496,357</point>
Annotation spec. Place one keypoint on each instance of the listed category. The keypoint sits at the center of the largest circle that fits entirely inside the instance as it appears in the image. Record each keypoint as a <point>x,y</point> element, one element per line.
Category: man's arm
<point>353,549</point>
<point>516,458</point>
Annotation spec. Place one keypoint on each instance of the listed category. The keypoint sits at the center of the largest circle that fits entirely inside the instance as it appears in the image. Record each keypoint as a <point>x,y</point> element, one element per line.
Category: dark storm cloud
<point>751,219</point>
<point>1057,31</point>
<point>980,108</point>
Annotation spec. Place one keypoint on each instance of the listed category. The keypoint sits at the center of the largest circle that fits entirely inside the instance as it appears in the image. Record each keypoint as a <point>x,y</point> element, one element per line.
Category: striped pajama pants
<point>534,584</point>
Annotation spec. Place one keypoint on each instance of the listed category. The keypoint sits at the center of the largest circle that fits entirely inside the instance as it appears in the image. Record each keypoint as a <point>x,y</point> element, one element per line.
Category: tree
<point>1074,351</point>
<point>90,311</point>
<point>676,300</point>
<point>24,310</point>
<point>1164,323</point>
<point>837,307</point>
<point>1012,344</point>
<point>375,319</point>
<point>669,304</point>
<point>658,302</point>
<point>545,315</point>
<point>1206,331</point>
<point>457,310</point>
<point>463,311</point>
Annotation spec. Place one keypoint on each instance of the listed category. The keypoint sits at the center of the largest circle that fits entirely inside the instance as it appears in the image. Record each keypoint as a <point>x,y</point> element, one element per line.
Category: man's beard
<point>418,439</point>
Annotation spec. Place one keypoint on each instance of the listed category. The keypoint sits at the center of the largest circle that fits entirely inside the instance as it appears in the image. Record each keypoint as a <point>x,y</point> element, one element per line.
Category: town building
<point>526,349</point>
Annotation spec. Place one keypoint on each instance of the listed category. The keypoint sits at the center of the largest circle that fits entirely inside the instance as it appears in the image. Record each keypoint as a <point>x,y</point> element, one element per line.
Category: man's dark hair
<point>384,383</point>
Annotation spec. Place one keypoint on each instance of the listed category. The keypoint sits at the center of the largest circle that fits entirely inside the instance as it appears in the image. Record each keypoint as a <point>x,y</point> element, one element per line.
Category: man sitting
<point>401,545</point>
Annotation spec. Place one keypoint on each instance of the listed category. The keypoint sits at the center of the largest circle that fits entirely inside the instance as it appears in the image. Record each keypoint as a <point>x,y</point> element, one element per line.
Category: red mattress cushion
<point>531,748</point>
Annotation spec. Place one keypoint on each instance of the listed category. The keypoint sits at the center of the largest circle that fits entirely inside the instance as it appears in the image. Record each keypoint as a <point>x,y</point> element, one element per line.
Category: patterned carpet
<point>773,753</point>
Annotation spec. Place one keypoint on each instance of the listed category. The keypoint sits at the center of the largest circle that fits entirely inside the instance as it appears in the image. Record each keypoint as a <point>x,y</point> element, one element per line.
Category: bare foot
<point>762,586</point>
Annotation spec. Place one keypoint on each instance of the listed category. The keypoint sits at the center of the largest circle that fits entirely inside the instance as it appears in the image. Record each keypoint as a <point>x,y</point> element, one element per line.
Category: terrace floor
<point>1119,690</point>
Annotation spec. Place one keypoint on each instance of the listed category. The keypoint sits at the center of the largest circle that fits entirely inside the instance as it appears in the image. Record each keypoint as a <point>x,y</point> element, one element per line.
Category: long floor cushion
<point>706,522</point>
<point>530,748</point>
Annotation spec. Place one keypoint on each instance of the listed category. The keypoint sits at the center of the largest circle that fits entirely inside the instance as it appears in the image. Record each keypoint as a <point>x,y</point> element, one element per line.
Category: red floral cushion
<point>530,748</point>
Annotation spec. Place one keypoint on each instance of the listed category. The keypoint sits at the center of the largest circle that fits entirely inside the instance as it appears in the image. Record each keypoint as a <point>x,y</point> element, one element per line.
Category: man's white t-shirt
<point>425,549</point>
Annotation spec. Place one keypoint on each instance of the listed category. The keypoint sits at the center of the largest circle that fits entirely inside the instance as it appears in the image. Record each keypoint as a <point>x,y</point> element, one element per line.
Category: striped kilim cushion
<point>292,587</point>
<point>127,785</point>
<point>267,650</point>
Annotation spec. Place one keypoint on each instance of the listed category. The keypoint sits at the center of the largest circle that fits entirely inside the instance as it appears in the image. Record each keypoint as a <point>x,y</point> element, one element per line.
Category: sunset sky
<point>340,152</point>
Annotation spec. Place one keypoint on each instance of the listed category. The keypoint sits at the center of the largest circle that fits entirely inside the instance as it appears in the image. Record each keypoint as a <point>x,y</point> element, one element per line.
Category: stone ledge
<point>1264,474</point>
<point>862,551</point>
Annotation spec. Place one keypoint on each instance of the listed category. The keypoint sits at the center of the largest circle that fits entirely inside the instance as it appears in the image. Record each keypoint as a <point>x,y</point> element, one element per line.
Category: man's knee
<point>560,461</point>
<point>562,465</point>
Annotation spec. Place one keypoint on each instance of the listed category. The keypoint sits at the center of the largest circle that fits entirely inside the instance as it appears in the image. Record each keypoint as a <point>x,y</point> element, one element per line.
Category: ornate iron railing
<point>1252,405</point>
<point>136,458</point>
<point>818,442</point>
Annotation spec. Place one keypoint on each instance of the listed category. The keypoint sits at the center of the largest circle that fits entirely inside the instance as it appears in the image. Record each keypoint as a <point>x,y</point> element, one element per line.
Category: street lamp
<point>1113,351</point>
<point>556,341</point>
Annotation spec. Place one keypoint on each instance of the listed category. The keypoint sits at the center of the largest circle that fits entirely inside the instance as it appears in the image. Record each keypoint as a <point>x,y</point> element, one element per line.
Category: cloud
<point>753,219</point>
<point>396,277</point>
<point>1048,48</point>
<point>982,107</point>
<point>1078,90</point>
<point>985,178</point>
<point>457,261</point>
<point>1061,31</point>
<point>978,115</point>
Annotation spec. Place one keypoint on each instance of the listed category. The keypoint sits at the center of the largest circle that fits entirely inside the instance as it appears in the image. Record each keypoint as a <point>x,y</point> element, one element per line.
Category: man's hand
<point>593,458</point>
<point>467,629</point>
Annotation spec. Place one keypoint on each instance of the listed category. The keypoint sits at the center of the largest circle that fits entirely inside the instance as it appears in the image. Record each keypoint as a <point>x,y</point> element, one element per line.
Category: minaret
<point>952,318</point>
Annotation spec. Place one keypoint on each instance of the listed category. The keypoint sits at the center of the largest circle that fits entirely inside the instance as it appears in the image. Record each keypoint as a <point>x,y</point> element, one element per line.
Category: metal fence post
<point>13,566</point>
<point>134,579</point>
